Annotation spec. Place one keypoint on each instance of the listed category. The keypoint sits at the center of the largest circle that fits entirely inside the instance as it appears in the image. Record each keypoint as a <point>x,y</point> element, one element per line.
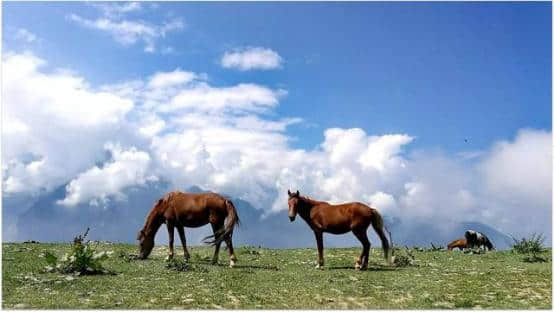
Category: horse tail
<point>379,225</point>
<point>230,222</point>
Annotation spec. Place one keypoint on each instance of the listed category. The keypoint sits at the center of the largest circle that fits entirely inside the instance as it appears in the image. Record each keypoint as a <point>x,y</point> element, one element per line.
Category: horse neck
<point>305,207</point>
<point>153,222</point>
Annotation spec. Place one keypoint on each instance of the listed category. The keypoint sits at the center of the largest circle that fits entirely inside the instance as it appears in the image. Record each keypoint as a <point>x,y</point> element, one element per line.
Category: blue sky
<point>440,71</point>
<point>375,94</point>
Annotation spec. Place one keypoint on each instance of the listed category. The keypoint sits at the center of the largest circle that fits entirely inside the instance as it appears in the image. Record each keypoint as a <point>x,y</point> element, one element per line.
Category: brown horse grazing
<point>179,210</point>
<point>323,217</point>
<point>460,243</point>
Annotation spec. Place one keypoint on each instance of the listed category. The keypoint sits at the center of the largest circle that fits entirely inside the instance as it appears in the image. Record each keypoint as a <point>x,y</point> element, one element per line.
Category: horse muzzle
<point>291,218</point>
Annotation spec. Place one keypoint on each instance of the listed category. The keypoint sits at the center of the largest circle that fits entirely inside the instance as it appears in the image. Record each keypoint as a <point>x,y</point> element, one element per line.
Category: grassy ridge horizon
<point>277,279</point>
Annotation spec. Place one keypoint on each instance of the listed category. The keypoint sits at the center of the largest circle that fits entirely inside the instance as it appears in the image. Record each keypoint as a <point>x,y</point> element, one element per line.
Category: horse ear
<point>140,234</point>
<point>289,192</point>
<point>297,193</point>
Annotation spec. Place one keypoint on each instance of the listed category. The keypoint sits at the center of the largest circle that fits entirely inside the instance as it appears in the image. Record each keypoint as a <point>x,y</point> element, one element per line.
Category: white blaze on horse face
<point>292,208</point>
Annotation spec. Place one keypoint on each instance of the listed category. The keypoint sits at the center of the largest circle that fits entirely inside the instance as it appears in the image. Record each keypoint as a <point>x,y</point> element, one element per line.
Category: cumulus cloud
<point>127,168</point>
<point>517,178</point>
<point>254,58</point>
<point>128,31</point>
<point>227,139</point>
<point>54,124</point>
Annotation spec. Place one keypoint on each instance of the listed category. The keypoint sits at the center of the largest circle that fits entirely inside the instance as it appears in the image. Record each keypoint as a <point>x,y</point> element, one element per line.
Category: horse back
<point>341,218</point>
<point>195,209</point>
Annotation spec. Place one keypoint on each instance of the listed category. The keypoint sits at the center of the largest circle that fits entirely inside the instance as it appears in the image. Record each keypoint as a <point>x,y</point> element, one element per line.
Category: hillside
<point>278,279</point>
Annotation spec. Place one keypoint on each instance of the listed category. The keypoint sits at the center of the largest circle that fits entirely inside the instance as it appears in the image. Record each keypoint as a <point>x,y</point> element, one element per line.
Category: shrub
<point>83,259</point>
<point>532,247</point>
<point>403,259</point>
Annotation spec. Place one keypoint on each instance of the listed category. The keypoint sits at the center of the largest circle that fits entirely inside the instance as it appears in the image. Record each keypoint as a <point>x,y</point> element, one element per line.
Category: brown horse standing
<point>460,243</point>
<point>179,210</point>
<point>323,217</point>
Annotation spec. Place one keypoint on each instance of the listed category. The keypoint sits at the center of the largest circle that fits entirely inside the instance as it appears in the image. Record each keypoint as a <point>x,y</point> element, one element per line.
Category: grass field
<point>278,279</point>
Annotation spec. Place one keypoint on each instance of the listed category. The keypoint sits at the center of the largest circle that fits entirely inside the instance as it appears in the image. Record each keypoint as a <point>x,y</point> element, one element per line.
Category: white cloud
<point>126,31</point>
<point>384,201</point>
<point>239,98</point>
<point>167,79</point>
<point>127,168</point>
<point>54,124</point>
<point>25,35</point>
<point>117,9</point>
<point>227,139</point>
<point>251,59</point>
<point>517,178</point>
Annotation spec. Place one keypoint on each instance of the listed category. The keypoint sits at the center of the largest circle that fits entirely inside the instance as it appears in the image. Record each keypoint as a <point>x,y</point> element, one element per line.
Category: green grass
<point>278,279</point>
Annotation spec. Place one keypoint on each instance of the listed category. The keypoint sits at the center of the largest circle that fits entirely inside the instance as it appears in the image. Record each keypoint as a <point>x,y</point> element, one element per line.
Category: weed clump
<point>404,259</point>
<point>436,248</point>
<point>83,259</point>
<point>533,246</point>
<point>250,250</point>
<point>127,257</point>
<point>183,266</point>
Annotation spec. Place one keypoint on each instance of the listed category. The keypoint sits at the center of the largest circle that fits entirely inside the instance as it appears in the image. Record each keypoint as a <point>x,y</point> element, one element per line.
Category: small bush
<point>404,259</point>
<point>534,245</point>
<point>81,260</point>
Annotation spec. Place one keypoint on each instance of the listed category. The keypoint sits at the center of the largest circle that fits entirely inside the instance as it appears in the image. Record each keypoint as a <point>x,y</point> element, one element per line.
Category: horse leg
<point>216,228</point>
<point>181,231</point>
<point>361,234</point>
<point>319,239</point>
<point>170,229</point>
<point>232,257</point>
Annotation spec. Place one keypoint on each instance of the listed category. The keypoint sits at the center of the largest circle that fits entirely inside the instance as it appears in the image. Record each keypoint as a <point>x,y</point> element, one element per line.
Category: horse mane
<point>311,200</point>
<point>153,223</point>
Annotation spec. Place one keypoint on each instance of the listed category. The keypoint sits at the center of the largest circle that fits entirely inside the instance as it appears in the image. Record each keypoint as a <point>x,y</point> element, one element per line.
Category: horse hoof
<point>169,257</point>
<point>357,266</point>
<point>319,267</point>
<point>231,264</point>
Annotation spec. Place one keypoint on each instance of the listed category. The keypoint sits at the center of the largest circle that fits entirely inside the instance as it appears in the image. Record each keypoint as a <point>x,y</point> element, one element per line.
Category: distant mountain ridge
<point>45,220</point>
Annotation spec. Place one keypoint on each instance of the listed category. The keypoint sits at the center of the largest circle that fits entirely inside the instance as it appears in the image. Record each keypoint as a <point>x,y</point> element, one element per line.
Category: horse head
<point>293,204</point>
<point>146,244</point>
<point>146,235</point>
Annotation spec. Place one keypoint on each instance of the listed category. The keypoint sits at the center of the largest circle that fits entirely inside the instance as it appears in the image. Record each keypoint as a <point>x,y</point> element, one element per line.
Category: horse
<point>460,243</point>
<point>179,210</point>
<point>323,217</point>
<point>477,239</point>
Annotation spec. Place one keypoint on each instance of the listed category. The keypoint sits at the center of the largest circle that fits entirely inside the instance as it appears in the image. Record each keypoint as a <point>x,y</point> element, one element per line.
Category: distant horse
<point>323,217</point>
<point>477,239</point>
<point>460,243</point>
<point>179,210</point>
